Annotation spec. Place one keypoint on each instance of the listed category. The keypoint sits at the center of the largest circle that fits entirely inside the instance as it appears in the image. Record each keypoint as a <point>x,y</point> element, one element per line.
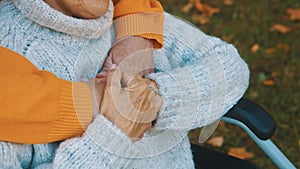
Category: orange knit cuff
<point>157,39</point>
<point>76,106</point>
<point>147,25</point>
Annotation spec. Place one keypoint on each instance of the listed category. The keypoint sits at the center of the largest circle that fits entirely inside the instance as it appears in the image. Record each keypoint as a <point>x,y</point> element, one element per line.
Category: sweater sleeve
<point>16,156</point>
<point>38,107</point>
<point>102,145</point>
<point>206,78</point>
<point>145,18</point>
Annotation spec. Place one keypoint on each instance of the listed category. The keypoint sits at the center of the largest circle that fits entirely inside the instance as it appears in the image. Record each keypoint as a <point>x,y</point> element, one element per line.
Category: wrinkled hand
<point>133,55</point>
<point>131,108</point>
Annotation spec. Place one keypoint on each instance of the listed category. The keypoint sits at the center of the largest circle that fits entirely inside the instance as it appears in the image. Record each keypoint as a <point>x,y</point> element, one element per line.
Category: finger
<point>101,79</point>
<point>102,74</point>
<point>153,106</point>
<point>146,126</point>
<point>140,129</point>
<point>106,66</point>
<point>140,136</point>
<point>156,100</point>
<point>148,71</point>
<point>114,77</point>
<point>152,86</point>
<point>156,103</point>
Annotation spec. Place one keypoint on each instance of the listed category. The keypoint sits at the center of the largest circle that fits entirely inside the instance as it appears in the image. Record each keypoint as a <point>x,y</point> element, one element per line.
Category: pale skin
<point>87,9</point>
<point>128,80</point>
<point>133,107</point>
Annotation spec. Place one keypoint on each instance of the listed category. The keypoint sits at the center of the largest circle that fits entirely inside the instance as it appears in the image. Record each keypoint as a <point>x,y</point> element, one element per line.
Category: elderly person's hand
<point>133,55</point>
<point>131,108</point>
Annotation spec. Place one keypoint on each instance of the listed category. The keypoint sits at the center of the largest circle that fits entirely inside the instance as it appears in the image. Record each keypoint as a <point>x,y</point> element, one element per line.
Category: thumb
<point>114,77</point>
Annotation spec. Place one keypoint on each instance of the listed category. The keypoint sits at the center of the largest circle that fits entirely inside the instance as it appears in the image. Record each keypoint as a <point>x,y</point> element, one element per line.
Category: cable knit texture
<point>199,77</point>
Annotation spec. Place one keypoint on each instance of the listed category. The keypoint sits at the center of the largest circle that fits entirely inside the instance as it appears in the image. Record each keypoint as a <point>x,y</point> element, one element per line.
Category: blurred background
<point>267,35</point>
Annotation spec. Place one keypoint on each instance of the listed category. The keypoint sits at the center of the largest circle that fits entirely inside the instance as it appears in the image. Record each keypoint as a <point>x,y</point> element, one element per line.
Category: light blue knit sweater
<point>199,77</point>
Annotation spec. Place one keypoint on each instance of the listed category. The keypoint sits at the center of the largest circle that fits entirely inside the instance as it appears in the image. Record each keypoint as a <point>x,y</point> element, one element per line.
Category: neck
<point>87,9</point>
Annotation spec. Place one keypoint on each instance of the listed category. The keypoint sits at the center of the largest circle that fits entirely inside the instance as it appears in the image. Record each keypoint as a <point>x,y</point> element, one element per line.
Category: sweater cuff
<point>108,137</point>
<point>181,94</point>
<point>76,107</point>
<point>146,25</point>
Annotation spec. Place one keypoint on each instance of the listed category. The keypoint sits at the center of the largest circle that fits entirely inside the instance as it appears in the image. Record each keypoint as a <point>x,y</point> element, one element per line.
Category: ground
<point>273,59</point>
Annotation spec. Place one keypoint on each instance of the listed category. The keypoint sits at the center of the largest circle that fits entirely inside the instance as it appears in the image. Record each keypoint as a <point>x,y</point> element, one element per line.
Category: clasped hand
<point>131,108</point>
<point>129,100</point>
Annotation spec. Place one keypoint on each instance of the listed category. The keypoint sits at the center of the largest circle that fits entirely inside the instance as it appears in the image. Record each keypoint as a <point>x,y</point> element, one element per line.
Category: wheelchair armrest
<point>254,117</point>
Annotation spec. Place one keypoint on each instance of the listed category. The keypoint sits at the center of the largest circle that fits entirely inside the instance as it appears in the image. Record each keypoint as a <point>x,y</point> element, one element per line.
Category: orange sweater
<point>143,17</point>
<point>37,107</point>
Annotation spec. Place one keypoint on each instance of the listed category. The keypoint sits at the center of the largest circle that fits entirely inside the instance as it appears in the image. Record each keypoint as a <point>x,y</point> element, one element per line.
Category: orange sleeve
<point>143,18</point>
<point>38,107</point>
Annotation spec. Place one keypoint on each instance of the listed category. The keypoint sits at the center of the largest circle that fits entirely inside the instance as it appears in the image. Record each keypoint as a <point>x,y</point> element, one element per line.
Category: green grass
<point>248,22</point>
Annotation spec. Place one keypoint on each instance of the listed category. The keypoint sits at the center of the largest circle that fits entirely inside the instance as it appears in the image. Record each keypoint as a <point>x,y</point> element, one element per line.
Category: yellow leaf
<point>240,153</point>
<point>199,5</point>
<point>270,50</point>
<point>208,10</point>
<point>294,13</point>
<point>216,141</point>
<point>228,2</point>
<point>268,83</point>
<point>228,38</point>
<point>299,143</point>
<point>281,28</point>
<point>284,46</point>
<point>203,19</point>
<point>254,48</point>
<point>186,8</point>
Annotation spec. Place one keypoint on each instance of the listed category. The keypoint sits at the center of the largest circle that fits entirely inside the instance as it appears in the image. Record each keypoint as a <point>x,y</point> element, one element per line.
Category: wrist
<point>146,43</point>
<point>82,102</point>
<point>95,105</point>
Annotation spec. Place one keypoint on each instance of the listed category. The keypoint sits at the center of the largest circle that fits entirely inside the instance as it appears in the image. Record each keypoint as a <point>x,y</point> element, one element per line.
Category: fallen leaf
<point>228,2</point>
<point>228,38</point>
<point>281,28</point>
<point>268,83</point>
<point>270,50</point>
<point>274,74</point>
<point>187,8</point>
<point>284,46</point>
<point>216,141</point>
<point>240,153</point>
<point>203,19</point>
<point>255,48</point>
<point>294,13</point>
<point>199,5</point>
<point>299,143</point>
<point>195,17</point>
<point>205,9</point>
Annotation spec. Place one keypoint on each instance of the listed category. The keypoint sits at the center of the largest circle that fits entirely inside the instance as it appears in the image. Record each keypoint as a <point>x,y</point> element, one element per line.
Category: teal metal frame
<point>274,153</point>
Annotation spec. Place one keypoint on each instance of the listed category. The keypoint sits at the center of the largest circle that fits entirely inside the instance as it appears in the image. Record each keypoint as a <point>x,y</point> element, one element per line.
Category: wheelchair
<point>259,125</point>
